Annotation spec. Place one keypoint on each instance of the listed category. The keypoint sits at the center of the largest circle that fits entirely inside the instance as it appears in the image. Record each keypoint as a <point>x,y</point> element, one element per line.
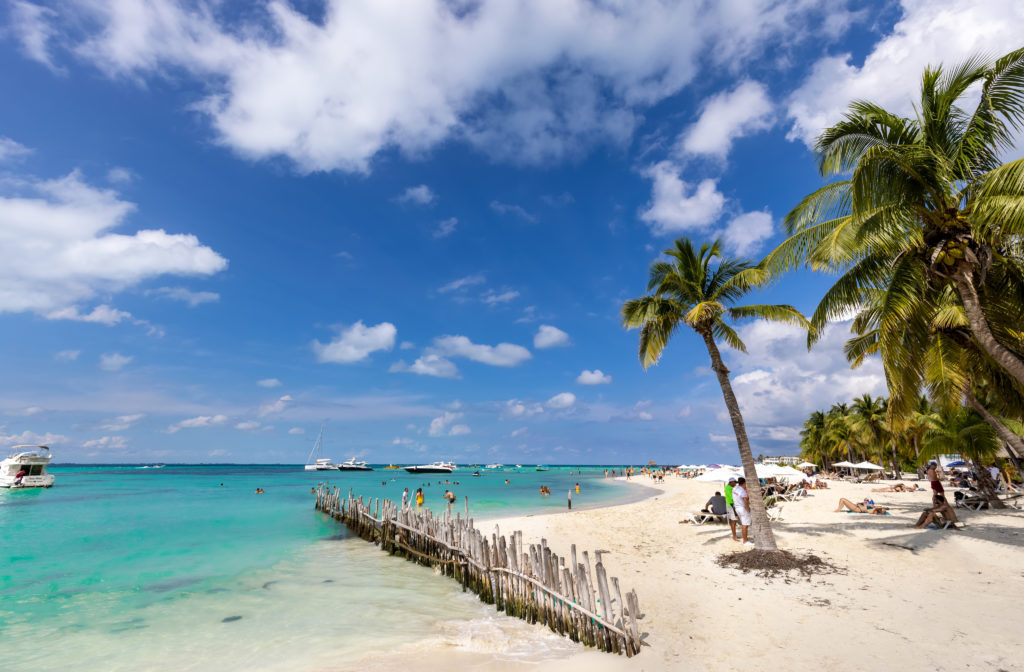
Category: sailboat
<point>315,462</point>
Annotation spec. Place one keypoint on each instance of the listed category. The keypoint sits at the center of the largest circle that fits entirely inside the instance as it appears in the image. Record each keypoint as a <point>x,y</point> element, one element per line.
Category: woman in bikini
<point>862,507</point>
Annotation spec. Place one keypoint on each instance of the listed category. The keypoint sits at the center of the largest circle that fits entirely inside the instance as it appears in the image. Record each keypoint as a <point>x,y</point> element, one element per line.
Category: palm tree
<point>687,290</point>
<point>813,444</point>
<point>869,419</point>
<point>927,205</point>
<point>839,429</point>
<point>965,432</point>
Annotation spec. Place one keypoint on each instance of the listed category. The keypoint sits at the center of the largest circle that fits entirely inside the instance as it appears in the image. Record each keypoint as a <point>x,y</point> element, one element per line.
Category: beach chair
<point>701,518</point>
<point>774,513</point>
<point>966,499</point>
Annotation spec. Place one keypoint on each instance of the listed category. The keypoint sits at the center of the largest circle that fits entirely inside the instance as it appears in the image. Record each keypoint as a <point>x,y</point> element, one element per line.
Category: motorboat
<point>31,464</point>
<point>315,462</point>
<point>432,468</point>
<point>494,466</point>
<point>543,467</point>
<point>352,465</point>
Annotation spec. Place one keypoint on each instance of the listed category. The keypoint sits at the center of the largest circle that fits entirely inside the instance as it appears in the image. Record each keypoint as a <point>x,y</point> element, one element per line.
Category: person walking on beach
<point>730,508</point>
<point>742,503</point>
<point>933,476</point>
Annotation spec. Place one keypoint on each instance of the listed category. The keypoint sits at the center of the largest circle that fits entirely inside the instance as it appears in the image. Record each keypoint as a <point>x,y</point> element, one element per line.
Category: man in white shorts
<point>741,502</point>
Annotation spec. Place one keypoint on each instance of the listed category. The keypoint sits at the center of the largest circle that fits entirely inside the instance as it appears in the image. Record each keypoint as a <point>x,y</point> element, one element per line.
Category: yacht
<point>319,463</point>
<point>351,465</point>
<point>494,466</point>
<point>32,462</point>
<point>432,468</point>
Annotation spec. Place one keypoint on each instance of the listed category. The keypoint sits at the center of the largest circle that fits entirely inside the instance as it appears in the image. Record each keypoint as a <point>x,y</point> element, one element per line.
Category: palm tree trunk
<point>895,462</point>
<point>988,488</point>
<point>1004,432</point>
<point>979,326</point>
<point>764,539</point>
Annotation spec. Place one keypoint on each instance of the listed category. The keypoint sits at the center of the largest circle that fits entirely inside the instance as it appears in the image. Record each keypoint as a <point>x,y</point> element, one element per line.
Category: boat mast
<point>317,447</point>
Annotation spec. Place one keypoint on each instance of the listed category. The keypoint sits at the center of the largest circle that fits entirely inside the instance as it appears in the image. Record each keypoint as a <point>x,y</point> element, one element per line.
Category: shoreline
<point>893,603</point>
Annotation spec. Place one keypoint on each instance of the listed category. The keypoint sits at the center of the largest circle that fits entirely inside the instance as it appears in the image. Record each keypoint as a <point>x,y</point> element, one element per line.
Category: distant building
<point>781,459</point>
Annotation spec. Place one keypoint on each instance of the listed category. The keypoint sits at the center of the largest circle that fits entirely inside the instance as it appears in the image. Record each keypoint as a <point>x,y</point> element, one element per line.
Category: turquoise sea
<point>185,567</point>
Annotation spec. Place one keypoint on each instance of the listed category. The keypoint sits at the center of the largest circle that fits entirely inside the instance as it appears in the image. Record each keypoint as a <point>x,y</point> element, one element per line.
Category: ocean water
<point>186,568</point>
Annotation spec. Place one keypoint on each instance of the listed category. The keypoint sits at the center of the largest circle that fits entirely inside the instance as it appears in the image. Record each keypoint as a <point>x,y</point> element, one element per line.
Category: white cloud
<point>550,337</point>
<point>678,206</point>
<point>296,430</point>
<point>461,283</point>
<point>355,343</point>
<point>193,299</point>
<point>439,425</point>
<point>114,361</point>
<point>428,365</point>
<point>67,355</point>
<point>107,443</point>
<point>928,33</point>
<point>459,430</point>
<point>595,377</point>
<point>745,233</point>
<point>529,82</point>
<point>276,406</point>
<point>503,354</point>
<point>721,438</point>
<point>509,209</point>
<point>57,249</point>
<point>491,298</point>
<point>31,410</point>
<point>32,26</point>
<point>407,345</point>
<point>122,422</point>
<point>517,432</point>
<point>519,409</point>
<point>248,425</point>
<point>727,116</point>
<point>269,382</point>
<point>197,422</point>
<point>31,438</point>
<point>421,195</point>
<point>10,149</point>
<point>446,227</point>
<point>562,400</point>
<point>102,314</point>
<point>120,175</point>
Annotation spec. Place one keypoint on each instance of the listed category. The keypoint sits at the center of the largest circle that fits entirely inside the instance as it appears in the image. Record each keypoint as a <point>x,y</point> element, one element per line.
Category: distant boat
<point>316,463</point>
<point>392,466</point>
<point>494,466</point>
<point>351,465</point>
<point>31,464</point>
<point>432,468</point>
<point>543,467</point>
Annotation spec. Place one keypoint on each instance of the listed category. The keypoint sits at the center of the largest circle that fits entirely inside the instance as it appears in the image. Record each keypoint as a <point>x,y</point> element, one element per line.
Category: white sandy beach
<point>908,599</point>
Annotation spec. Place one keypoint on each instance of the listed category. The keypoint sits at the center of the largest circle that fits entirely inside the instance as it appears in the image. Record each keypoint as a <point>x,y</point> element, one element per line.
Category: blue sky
<point>222,224</point>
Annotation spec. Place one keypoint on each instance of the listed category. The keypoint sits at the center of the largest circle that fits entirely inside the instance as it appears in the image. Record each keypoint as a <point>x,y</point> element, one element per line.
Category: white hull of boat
<point>32,461</point>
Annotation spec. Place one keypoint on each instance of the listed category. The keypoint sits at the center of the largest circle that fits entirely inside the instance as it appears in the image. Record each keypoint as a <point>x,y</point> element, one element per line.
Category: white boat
<point>432,468</point>
<point>314,461</point>
<point>352,465</point>
<point>31,464</point>
<point>494,466</point>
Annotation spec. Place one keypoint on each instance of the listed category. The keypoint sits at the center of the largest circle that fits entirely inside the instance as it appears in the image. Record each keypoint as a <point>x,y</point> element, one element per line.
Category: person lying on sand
<point>863,507</point>
<point>898,487</point>
<point>938,514</point>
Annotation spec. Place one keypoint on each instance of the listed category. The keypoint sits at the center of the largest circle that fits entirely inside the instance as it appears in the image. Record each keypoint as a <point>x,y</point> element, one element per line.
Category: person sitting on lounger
<point>941,512</point>
<point>715,506</point>
<point>867,506</point>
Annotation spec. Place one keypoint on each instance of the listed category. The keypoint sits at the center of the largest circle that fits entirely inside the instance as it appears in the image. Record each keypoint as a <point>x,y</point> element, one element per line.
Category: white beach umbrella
<point>843,464</point>
<point>804,465</point>
<point>789,472</point>
<point>867,465</point>
<point>718,475</point>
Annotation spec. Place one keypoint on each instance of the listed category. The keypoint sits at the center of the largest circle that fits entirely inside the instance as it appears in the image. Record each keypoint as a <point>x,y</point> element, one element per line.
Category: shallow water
<point>122,568</point>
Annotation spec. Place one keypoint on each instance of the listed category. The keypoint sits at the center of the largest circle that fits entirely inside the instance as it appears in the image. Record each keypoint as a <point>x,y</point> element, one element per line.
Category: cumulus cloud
<point>459,430</point>
<point>562,400</point>
<point>113,361</point>
<point>197,422</point>
<point>120,175</point>
<point>31,438</point>
<point>595,377</point>
<point>33,27</point>
<point>9,149</point>
<point>928,33</point>
<point>248,425</point>
<point>517,432</point>
<point>502,354</point>
<point>745,233</point>
<point>356,343</point>
<point>520,409</point>
<point>550,337</point>
<point>57,249</point>
<point>727,116</point>
<point>421,195</point>
<point>193,299</point>
<point>107,443</point>
<point>121,422</point>
<point>428,365</point>
<point>446,227</point>
<point>492,298</point>
<point>439,426</point>
<point>276,406</point>
<point>269,382</point>
<point>677,206</point>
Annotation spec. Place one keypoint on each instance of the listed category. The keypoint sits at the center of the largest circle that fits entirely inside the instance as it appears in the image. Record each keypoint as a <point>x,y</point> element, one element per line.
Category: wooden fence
<point>531,583</point>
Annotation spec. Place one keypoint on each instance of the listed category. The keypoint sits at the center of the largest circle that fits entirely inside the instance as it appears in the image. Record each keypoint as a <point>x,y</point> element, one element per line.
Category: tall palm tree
<point>927,203</point>
<point>690,290</point>
<point>869,419</point>
<point>813,445</point>
<point>839,429</point>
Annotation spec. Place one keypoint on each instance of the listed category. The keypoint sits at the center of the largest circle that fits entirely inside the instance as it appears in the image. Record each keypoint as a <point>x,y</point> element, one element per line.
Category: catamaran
<point>319,463</point>
<point>26,468</point>
<point>432,468</point>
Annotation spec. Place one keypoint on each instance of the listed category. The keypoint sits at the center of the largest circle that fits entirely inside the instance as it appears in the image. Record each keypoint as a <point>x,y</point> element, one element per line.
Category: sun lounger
<point>700,518</point>
<point>774,513</point>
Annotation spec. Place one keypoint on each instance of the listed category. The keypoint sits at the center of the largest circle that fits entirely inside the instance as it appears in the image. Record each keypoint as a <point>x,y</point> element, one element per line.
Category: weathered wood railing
<point>531,583</point>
